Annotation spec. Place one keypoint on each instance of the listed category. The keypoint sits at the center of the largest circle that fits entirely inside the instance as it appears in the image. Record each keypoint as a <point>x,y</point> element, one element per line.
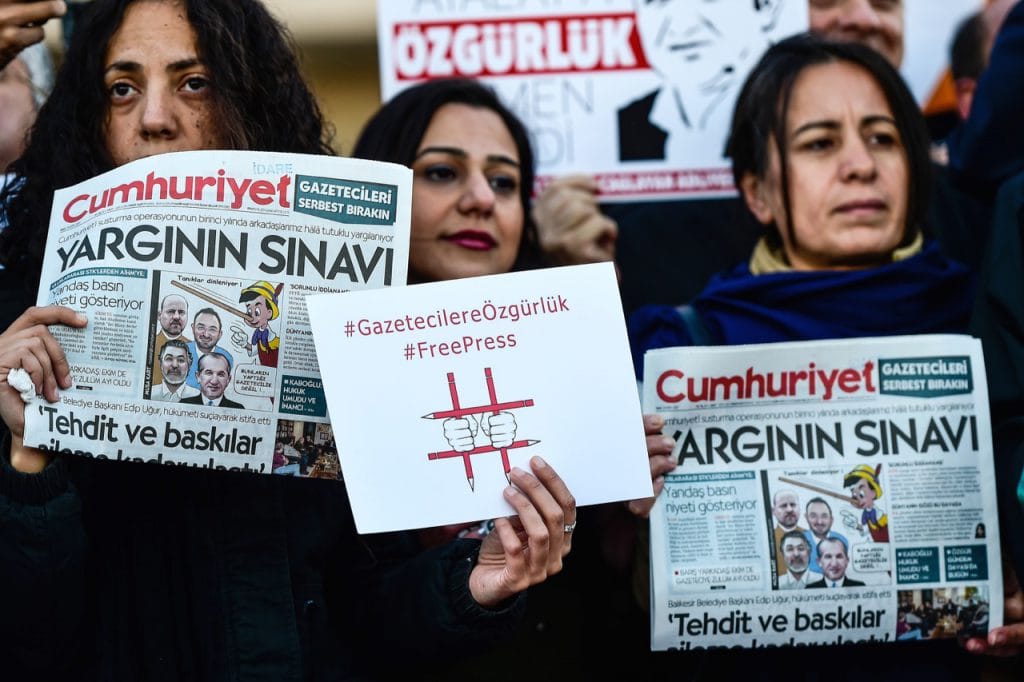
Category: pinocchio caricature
<point>864,487</point>
<point>261,304</point>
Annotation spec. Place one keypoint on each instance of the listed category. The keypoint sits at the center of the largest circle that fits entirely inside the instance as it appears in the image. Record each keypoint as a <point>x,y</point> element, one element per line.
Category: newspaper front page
<point>193,269</point>
<point>826,492</point>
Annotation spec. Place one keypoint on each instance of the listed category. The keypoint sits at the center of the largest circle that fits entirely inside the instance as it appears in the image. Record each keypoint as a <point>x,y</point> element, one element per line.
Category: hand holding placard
<point>525,549</point>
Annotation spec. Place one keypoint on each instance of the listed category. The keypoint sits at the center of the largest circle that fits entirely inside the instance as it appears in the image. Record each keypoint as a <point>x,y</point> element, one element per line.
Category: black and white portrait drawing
<point>701,50</point>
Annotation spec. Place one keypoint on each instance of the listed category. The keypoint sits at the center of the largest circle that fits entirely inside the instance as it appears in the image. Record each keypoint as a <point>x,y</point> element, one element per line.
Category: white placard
<point>548,347</point>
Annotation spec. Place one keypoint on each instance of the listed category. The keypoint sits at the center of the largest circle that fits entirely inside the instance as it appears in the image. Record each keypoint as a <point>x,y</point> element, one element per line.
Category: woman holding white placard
<point>132,571</point>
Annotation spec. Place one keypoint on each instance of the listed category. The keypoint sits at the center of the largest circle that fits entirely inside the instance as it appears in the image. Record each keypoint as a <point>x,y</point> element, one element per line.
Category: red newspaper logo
<point>219,188</point>
<point>674,387</point>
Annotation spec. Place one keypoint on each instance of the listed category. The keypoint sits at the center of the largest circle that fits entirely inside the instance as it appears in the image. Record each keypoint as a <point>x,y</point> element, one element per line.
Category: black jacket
<point>639,139</point>
<point>200,400</point>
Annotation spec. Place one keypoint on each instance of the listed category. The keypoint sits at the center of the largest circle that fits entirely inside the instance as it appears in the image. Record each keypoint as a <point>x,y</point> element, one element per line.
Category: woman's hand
<point>524,550</point>
<point>1007,640</point>
<point>27,344</point>
<point>659,456</point>
<point>570,225</point>
<point>21,25</point>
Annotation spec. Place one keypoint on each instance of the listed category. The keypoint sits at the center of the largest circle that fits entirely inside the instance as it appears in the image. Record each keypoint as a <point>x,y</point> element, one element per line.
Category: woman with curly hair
<point>126,571</point>
<point>260,102</point>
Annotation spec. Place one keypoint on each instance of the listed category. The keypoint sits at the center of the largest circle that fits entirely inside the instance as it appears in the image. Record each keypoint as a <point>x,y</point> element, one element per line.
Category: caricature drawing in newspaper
<point>262,300</point>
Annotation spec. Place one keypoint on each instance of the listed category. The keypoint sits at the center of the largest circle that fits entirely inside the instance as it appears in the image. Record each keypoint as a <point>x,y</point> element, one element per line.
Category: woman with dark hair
<point>431,128</point>
<point>260,102</point>
<point>473,171</point>
<point>472,175</point>
<point>127,571</point>
<point>830,153</point>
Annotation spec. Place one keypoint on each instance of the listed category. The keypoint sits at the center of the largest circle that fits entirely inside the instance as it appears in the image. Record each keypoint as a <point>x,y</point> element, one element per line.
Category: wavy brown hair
<point>260,100</point>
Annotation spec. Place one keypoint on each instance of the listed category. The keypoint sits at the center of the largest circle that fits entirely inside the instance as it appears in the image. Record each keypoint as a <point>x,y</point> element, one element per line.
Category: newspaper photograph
<point>193,269</point>
<point>825,492</point>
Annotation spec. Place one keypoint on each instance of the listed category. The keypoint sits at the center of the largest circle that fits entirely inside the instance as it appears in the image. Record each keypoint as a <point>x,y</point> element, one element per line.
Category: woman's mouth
<point>473,240</point>
<point>861,207</point>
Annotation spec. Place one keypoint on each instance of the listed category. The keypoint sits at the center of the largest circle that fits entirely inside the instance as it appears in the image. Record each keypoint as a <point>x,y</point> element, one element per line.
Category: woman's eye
<point>817,144</point>
<point>120,90</point>
<point>503,184</point>
<point>196,84</point>
<point>439,173</point>
<point>883,139</point>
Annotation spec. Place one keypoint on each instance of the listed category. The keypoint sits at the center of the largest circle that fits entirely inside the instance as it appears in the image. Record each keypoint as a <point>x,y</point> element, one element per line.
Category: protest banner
<point>193,269</point>
<point>864,466</point>
<point>437,390</point>
<point>637,94</point>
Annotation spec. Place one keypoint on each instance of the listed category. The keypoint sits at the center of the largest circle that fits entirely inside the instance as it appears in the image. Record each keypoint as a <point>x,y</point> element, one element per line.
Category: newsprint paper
<point>193,269</point>
<point>826,493</point>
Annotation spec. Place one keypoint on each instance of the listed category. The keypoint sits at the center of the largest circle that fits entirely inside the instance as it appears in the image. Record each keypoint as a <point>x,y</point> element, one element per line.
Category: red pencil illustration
<point>466,462</point>
<point>494,400</point>
<point>493,407</point>
<point>478,450</point>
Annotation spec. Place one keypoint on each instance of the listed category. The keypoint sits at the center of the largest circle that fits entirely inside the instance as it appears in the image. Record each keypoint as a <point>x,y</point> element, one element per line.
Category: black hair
<point>796,535</point>
<point>833,538</point>
<point>818,500</point>
<point>176,343</point>
<point>967,56</point>
<point>259,97</point>
<point>394,134</point>
<point>763,106</point>
<point>206,311</point>
<point>214,354</point>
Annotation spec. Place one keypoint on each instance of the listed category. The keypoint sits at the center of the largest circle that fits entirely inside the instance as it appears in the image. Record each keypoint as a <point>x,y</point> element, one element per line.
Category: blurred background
<point>338,46</point>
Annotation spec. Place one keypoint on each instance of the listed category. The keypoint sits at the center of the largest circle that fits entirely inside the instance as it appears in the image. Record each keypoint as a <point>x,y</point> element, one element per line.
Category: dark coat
<point>200,400</point>
<point>924,294</point>
<point>988,149</point>
<point>847,582</point>
<point>998,320</point>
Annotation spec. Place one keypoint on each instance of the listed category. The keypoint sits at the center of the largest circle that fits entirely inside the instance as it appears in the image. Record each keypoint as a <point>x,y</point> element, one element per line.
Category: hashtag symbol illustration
<point>409,351</point>
<point>350,328</point>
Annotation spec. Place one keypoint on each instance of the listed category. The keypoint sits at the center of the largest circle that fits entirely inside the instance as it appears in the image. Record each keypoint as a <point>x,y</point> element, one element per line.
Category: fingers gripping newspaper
<point>826,492</point>
<point>193,269</point>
